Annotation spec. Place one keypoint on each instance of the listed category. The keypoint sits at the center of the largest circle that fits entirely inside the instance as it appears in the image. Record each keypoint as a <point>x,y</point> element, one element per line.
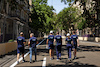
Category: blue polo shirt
<point>51,39</point>
<point>58,39</point>
<point>20,41</point>
<point>74,38</point>
<point>33,42</point>
<point>68,40</point>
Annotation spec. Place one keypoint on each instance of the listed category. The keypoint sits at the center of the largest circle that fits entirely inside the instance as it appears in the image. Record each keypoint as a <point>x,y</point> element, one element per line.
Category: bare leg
<point>23,56</point>
<point>18,56</point>
<point>50,53</point>
<point>75,52</point>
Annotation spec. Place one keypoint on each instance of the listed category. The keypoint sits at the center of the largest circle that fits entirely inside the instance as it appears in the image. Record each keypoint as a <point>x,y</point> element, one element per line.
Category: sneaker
<point>23,61</point>
<point>75,57</point>
<point>57,59</point>
<point>17,62</point>
<point>30,61</point>
<point>50,58</point>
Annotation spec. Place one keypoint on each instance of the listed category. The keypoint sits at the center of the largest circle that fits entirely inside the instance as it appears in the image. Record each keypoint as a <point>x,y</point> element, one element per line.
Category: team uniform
<point>50,43</point>
<point>20,46</point>
<point>58,45</point>
<point>32,48</point>
<point>69,46</point>
<point>74,39</point>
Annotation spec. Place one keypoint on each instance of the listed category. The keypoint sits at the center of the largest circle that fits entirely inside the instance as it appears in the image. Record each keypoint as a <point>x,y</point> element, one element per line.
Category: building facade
<point>13,20</point>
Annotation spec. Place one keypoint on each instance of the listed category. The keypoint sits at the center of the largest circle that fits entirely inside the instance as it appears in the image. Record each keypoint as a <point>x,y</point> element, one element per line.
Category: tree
<point>66,17</point>
<point>41,16</point>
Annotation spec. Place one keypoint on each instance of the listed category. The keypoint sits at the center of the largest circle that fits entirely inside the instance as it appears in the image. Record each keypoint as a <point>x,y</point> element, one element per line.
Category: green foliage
<point>41,16</point>
<point>81,25</point>
<point>66,17</point>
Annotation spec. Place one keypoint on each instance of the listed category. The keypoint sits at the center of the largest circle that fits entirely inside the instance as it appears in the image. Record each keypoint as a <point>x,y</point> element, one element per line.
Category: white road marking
<point>44,62</point>
<point>14,64</point>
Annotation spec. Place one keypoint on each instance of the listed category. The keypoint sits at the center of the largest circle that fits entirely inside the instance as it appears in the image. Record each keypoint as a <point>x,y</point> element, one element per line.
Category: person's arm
<point>78,42</point>
<point>47,41</point>
<point>37,41</point>
<point>29,44</point>
<point>24,41</point>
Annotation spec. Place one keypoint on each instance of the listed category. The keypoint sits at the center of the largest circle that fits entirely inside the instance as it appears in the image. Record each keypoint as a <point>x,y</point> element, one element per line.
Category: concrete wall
<point>96,39</point>
<point>11,46</point>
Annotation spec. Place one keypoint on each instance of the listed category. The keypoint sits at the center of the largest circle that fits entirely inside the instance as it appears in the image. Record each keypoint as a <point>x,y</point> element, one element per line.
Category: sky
<point>57,4</point>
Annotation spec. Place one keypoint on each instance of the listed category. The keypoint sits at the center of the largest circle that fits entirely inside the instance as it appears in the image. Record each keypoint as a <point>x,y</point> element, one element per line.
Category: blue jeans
<point>69,51</point>
<point>58,51</point>
<point>31,51</point>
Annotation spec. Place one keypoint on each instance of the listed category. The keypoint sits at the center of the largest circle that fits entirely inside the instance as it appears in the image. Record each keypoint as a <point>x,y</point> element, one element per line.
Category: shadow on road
<point>89,48</point>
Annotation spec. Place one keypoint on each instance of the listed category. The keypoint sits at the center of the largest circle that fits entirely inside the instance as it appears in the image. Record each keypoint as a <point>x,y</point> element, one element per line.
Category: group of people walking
<point>71,43</point>
<point>32,46</point>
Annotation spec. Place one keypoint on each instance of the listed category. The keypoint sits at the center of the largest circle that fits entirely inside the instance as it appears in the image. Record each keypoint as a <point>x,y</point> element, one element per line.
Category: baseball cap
<point>21,33</point>
<point>51,31</point>
<point>68,34</point>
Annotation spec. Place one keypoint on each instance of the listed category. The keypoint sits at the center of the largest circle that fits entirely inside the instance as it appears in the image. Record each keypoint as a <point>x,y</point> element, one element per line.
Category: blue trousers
<point>69,51</point>
<point>31,51</point>
<point>58,51</point>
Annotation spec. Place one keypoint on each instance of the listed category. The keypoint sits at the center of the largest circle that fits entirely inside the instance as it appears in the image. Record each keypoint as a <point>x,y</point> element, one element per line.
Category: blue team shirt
<point>33,42</point>
<point>58,39</point>
<point>74,38</point>
<point>20,41</point>
<point>51,39</point>
<point>68,40</point>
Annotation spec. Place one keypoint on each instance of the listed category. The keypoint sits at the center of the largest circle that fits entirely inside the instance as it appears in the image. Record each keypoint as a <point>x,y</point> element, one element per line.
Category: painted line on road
<point>14,64</point>
<point>44,62</point>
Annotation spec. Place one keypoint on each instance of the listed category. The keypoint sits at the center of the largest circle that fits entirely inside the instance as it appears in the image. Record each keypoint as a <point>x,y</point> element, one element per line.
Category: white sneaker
<point>50,58</point>
<point>17,62</point>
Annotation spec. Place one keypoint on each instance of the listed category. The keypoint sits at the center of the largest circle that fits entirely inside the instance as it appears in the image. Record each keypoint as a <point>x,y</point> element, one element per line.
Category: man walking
<point>58,40</point>
<point>32,46</point>
<point>75,40</point>
<point>20,47</point>
<point>51,45</point>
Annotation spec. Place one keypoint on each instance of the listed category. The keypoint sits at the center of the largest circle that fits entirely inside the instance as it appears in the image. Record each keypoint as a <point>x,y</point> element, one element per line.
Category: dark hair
<point>57,32</point>
<point>74,32</point>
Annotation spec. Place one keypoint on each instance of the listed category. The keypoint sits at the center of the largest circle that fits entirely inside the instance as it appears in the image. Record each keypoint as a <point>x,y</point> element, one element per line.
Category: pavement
<point>88,55</point>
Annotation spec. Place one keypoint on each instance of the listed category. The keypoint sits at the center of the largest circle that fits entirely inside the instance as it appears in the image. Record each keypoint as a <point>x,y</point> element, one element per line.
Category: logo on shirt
<point>19,39</point>
<point>74,36</point>
<point>51,37</point>
<point>33,39</point>
<point>58,37</point>
<point>69,39</point>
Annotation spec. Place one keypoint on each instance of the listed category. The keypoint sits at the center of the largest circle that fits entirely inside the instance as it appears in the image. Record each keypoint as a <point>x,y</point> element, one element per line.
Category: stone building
<point>13,20</point>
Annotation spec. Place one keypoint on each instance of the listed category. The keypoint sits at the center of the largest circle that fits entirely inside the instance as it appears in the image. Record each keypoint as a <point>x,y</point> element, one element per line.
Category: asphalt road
<point>88,55</point>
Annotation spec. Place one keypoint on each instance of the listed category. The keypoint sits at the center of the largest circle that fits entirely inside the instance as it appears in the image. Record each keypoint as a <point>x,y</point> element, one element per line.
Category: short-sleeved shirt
<point>68,42</point>
<point>74,38</point>
<point>58,39</point>
<point>51,39</point>
<point>33,42</point>
<point>20,41</point>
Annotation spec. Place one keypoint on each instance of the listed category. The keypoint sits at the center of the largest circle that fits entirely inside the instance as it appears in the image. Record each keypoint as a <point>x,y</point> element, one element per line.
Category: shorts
<point>75,46</point>
<point>20,50</point>
<point>51,46</point>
